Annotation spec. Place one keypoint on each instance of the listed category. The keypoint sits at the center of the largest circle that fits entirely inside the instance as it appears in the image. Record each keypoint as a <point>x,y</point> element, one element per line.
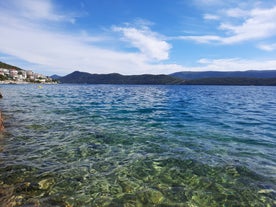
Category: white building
<point>5,71</point>
<point>24,74</point>
<point>14,73</point>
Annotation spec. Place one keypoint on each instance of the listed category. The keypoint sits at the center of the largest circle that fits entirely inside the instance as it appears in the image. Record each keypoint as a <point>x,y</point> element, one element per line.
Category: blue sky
<point>138,36</point>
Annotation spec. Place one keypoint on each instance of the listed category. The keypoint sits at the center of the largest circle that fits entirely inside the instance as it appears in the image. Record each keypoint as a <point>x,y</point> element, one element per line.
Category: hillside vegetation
<point>231,74</point>
<point>233,81</point>
<point>115,78</point>
<point>250,77</point>
<point>7,66</point>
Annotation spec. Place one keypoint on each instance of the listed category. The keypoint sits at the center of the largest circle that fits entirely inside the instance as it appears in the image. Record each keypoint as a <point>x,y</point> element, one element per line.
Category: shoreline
<point>1,118</point>
<point>1,122</point>
<point>6,82</point>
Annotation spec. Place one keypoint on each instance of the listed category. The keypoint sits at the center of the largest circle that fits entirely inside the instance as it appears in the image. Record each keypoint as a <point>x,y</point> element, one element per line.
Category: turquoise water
<point>120,145</point>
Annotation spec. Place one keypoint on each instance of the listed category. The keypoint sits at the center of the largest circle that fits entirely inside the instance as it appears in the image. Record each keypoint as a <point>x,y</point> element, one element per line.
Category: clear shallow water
<point>116,145</point>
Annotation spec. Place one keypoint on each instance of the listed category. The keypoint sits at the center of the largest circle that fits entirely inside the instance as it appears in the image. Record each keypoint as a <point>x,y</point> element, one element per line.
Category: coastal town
<point>15,76</point>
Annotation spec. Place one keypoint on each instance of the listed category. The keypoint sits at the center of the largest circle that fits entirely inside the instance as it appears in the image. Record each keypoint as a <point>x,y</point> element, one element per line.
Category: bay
<point>137,145</point>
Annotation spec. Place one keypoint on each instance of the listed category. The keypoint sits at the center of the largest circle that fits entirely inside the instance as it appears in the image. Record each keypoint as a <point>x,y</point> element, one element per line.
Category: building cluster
<point>23,76</point>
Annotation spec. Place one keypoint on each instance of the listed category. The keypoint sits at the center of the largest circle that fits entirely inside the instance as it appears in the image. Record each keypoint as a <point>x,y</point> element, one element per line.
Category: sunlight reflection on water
<point>109,145</point>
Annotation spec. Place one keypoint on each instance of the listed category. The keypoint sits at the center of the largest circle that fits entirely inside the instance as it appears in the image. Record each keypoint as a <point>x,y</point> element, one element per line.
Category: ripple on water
<point>104,145</point>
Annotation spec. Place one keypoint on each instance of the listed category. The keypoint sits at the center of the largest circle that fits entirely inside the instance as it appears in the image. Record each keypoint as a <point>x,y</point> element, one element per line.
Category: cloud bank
<point>36,32</point>
<point>26,36</point>
<point>148,42</point>
<point>254,24</point>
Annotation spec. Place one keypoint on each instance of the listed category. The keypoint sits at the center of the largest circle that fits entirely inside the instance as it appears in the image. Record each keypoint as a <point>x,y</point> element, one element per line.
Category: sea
<point>138,145</point>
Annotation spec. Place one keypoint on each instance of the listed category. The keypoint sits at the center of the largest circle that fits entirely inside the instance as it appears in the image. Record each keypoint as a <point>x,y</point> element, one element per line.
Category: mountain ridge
<point>238,81</point>
<point>250,77</point>
<point>189,75</point>
<point>116,78</point>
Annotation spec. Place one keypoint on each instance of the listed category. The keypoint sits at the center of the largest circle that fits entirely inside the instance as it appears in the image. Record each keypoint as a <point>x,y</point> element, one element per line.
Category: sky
<point>138,36</point>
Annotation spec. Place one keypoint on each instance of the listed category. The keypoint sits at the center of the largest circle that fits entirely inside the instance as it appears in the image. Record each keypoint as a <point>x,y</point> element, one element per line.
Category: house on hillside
<point>5,71</point>
<point>22,75</point>
<point>30,75</point>
<point>14,74</point>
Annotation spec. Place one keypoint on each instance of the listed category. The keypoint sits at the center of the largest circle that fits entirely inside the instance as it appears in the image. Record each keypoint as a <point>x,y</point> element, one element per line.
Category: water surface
<point>122,145</point>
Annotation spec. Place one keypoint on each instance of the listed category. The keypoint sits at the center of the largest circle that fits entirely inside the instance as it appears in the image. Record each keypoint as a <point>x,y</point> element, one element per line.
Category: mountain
<point>233,81</point>
<point>250,77</point>
<point>233,74</point>
<point>115,78</point>
<point>55,77</point>
<point>7,66</point>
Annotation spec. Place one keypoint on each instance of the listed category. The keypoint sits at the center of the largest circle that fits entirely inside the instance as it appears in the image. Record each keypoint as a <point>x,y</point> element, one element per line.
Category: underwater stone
<point>266,191</point>
<point>128,186</point>
<point>151,196</point>
<point>102,201</point>
<point>1,122</point>
<point>6,195</point>
<point>46,183</point>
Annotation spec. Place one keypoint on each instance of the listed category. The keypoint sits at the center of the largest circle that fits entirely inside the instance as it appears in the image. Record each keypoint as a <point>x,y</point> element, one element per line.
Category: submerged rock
<point>1,122</point>
<point>1,117</point>
<point>150,196</point>
<point>46,183</point>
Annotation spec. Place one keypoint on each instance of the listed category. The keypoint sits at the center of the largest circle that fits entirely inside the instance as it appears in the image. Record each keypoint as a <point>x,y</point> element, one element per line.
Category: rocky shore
<point>24,82</point>
<point>1,117</point>
<point>1,122</point>
<point>13,82</point>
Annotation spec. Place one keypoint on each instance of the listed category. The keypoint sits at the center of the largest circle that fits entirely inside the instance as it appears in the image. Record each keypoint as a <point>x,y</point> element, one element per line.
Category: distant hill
<point>233,81</point>
<point>7,66</point>
<point>115,78</point>
<point>55,77</point>
<point>233,74</point>
<point>250,77</point>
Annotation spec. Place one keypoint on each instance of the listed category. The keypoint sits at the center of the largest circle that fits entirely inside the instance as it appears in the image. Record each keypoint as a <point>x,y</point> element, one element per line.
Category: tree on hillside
<point>7,66</point>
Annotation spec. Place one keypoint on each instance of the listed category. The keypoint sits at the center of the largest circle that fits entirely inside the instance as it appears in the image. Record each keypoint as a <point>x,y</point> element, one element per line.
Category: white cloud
<point>36,10</point>
<point>208,2</point>
<point>148,42</point>
<point>255,24</point>
<point>35,39</point>
<point>46,48</point>
<point>201,39</point>
<point>211,17</point>
<point>226,64</point>
<point>260,25</point>
<point>267,47</point>
<point>237,12</point>
<point>234,64</point>
<point>62,51</point>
